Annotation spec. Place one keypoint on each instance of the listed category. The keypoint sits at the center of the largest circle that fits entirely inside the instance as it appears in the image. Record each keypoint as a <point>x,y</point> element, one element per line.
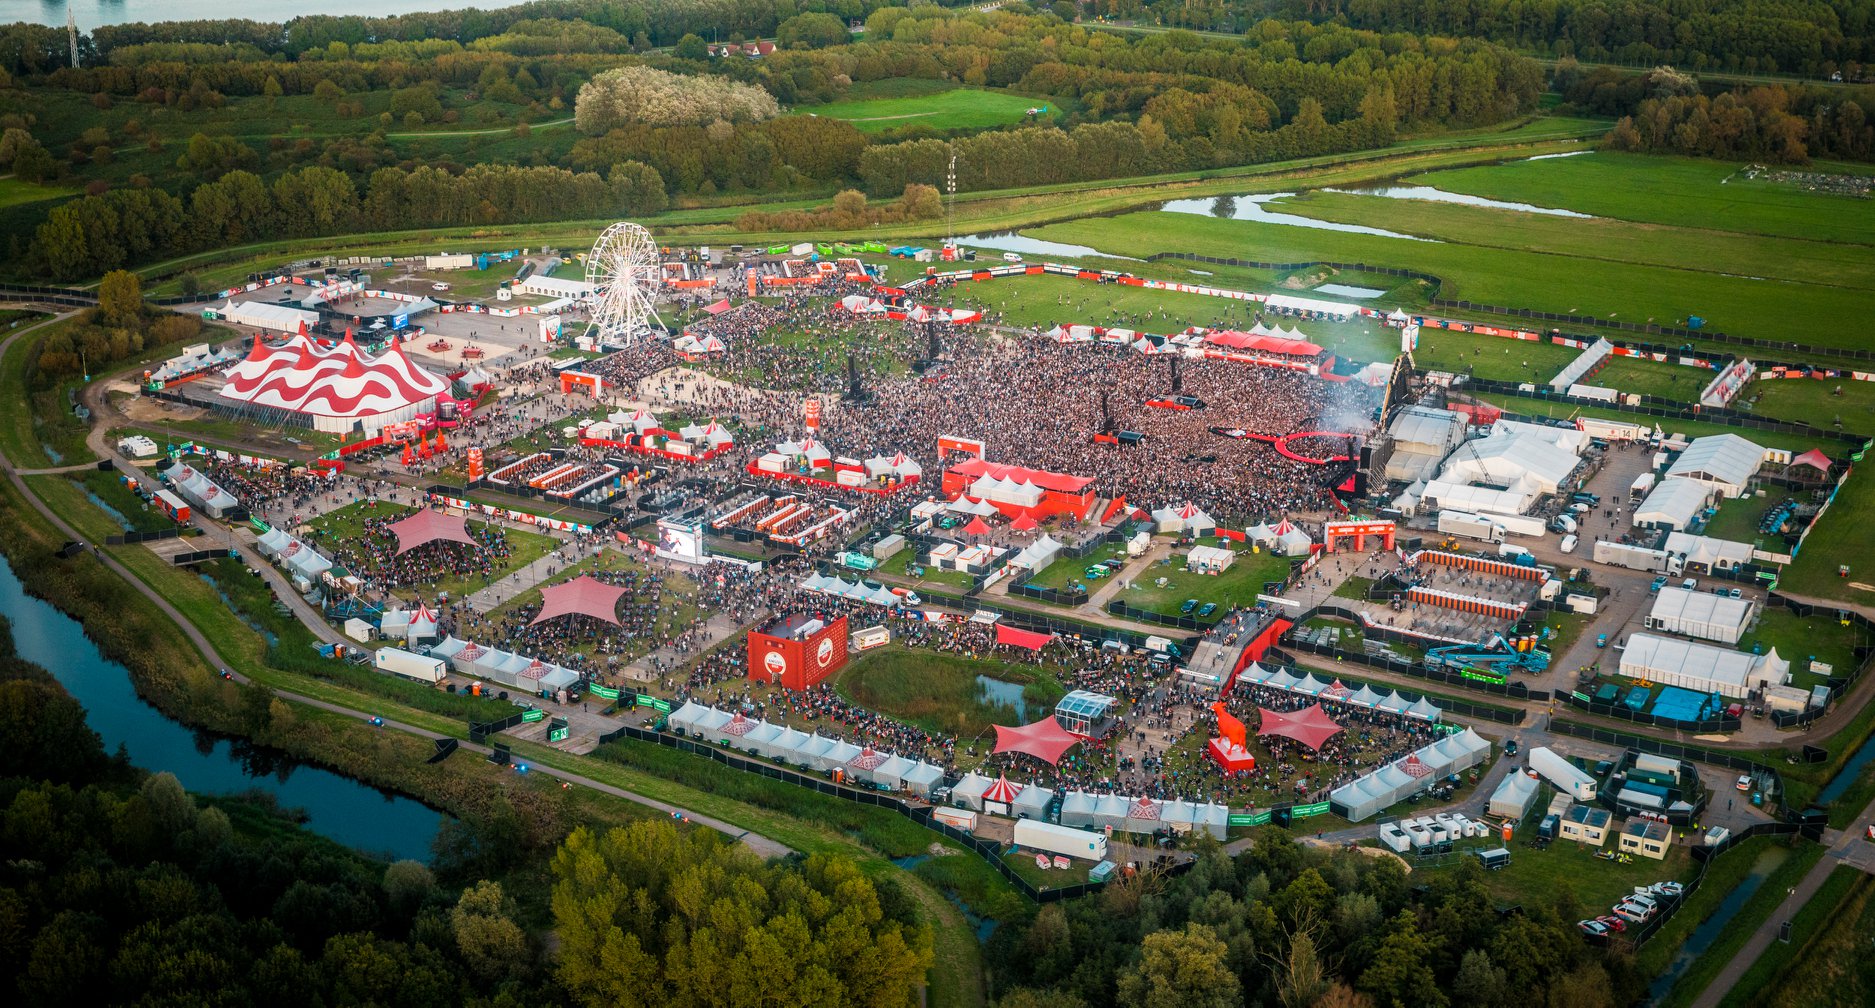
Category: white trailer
<point>1642,485</point>
<point>409,665</point>
<point>962,819</point>
<point>1522,525</point>
<point>1064,840</point>
<point>1470,526</point>
<point>1568,778</point>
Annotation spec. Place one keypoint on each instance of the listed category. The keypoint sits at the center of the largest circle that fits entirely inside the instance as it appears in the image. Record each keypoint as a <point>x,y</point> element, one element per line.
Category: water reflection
<point>1430,195</point>
<point>1250,207</point>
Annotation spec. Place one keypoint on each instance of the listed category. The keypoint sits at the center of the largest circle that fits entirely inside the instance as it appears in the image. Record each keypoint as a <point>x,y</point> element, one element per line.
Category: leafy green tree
<point>1181,969</point>
<point>811,31</point>
<point>691,47</point>
<point>1400,975</point>
<point>486,933</point>
<point>120,303</point>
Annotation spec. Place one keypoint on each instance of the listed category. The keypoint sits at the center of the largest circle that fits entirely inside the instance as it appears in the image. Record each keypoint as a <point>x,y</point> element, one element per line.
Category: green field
<point>1799,639</point>
<point>879,106</point>
<point>1738,519</point>
<point>1672,425</point>
<point>1745,283</point>
<point>1238,585</point>
<point>14,192</point>
<point>1692,192</point>
<point>942,692</point>
<point>1820,403</point>
<point>1646,377</point>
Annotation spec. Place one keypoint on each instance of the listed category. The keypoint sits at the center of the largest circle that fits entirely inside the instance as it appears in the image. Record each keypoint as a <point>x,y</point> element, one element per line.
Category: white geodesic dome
<point>623,269</point>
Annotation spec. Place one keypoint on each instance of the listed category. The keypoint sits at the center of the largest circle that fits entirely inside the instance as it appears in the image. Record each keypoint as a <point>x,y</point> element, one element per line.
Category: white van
<point>1568,544</point>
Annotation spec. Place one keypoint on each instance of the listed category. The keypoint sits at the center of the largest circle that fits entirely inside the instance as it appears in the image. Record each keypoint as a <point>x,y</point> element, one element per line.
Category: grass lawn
<point>1784,872</point>
<point>1568,627</point>
<point>1571,871</point>
<point>1646,377</point>
<point>98,505</point>
<point>888,104</point>
<point>37,426</point>
<point>1691,192</point>
<point>1817,402</point>
<point>1798,639</point>
<point>1826,961</point>
<point>900,566</point>
<point>14,192</point>
<point>943,692</point>
<point>1476,265</point>
<point>1722,877</point>
<point>1023,861</point>
<point>1355,587</point>
<point>1738,518</point>
<point>1239,585</point>
<point>1492,356</point>
<point>464,284</point>
<point>1069,570</point>
<point>346,526</point>
<point>1842,537</point>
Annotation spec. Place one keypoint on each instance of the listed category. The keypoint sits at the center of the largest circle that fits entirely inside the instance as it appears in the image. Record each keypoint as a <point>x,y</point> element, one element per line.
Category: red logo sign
<point>775,663</point>
<point>824,653</point>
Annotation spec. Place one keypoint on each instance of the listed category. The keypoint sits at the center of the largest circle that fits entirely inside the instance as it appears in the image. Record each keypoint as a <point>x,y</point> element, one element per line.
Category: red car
<point>1614,923</point>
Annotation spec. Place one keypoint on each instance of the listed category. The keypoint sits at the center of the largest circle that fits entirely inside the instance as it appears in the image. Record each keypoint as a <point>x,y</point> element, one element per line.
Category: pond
<point>1021,244</point>
<point>1249,207</point>
<point>1429,194</point>
<point>336,807</point>
<point>1348,291</point>
<point>997,691</point>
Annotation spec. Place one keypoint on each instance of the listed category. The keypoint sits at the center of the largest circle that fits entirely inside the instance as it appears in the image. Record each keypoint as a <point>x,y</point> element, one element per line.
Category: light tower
<point>71,33</point>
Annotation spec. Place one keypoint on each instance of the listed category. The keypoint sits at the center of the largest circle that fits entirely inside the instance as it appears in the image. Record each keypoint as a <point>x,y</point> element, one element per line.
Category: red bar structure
<point>1486,565</point>
<point>1467,603</point>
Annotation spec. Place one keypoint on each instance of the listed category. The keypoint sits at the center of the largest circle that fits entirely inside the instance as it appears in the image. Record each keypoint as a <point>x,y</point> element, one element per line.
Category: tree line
<point>1666,111</point>
<point>1306,927</point>
<point>92,234</point>
<point>1812,37</point>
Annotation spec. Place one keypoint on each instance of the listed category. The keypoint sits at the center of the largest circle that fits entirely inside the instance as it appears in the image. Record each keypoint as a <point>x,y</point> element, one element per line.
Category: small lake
<point>1021,244</point>
<point>1250,207</point>
<point>997,691</point>
<point>1344,290</point>
<point>1431,195</point>
<point>337,807</point>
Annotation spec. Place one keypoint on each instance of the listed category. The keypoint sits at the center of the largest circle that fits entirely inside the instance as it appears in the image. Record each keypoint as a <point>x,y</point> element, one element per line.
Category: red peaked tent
<point>1024,523</point>
<point>718,308</point>
<point>1310,726</point>
<point>1814,458</point>
<point>1001,791</point>
<point>977,527</point>
<point>428,527</point>
<point>583,596</point>
<point>1006,634</point>
<point>1045,740</point>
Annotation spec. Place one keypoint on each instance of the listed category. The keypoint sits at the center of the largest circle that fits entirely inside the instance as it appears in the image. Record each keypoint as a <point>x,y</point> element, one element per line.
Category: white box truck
<point>1053,839</point>
<point>1568,778</point>
<point>1470,526</point>
<point>409,665</point>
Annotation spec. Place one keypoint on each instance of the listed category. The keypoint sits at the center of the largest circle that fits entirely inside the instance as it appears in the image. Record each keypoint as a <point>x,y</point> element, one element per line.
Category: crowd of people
<point>373,556</point>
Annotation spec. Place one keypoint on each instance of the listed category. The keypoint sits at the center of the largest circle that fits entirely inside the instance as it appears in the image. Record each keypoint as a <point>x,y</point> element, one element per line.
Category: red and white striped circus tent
<point>337,388</point>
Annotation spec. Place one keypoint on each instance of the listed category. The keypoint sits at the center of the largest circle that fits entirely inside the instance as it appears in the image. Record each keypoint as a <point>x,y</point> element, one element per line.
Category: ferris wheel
<point>623,268</point>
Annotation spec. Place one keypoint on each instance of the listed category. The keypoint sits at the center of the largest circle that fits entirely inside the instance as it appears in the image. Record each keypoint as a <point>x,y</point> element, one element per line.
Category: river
<point>92,13</point>
<point>337,807</point>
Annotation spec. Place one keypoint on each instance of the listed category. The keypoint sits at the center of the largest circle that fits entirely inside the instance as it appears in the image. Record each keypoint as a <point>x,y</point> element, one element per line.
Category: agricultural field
<point>877,106</point>
<point>1774,287</point>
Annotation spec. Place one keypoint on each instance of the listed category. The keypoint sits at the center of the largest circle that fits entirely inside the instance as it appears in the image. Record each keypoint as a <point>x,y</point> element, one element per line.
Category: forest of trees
<point>1811,37</point>
<point>1170,102</point>
<point>1306,927</point>
<point>1666,111</point>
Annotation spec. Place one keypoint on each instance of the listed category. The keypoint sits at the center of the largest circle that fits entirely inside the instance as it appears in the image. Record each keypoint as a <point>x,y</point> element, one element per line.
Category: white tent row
<point>1038,554</point>
<point>710,435</point>
<point>1284,538</point>
<point>899,465</point>
<point>515,671</point>
<point>207,495</point>
<point>1394,782</point>
<point>856,591</point>
<point>1084,810</point>
<point>1187,519</point>
<point>1701,667</point>
<point>1365,697</point>
<point>796,748</point>
<point>412,625</point>
<point>1013,492</point>
<point>297,558</point>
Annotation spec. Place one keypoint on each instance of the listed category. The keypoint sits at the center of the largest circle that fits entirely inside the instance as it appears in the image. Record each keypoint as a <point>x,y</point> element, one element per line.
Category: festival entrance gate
<point>1334,531</point>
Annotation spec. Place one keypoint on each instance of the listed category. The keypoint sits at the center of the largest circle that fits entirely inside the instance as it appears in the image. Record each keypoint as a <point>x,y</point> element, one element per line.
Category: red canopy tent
<point>428,527</point>
<point>977,527</point>
<point>1310,726</point>
<point>1814,458</point>
<point>1001,791</point>
<point>1006,634</point>
<point>718,308</point>
<point>1045,740</point>
<point>1024,523</point>
<point>583,596</point>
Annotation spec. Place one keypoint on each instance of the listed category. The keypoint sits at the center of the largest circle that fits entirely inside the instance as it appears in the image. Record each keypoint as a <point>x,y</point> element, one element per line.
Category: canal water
<point>1250,207</point>
<point>337,807</point>
<point>1429,194</point>
<point>1709,930</point>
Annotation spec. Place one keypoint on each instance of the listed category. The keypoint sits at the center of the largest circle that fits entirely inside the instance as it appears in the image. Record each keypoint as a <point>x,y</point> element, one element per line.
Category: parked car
<point>1204,611</point>
<point>1690,583</point>
<point>1601,640</point>
<point>1593,928</point>
<point>1668,888</point>
<point>1659,583</point>
<point>1744,782</point>
<point>439,286</point>
<point>1735,593</point>
<point>1510,747</point>
<point>1632,912</point>
<point>1614,923</point>
<point>1190,604</point>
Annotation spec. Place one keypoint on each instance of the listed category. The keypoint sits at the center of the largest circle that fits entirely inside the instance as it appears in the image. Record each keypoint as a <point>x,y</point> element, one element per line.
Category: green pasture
<point>941,691</point>
<point>1491,356</point>
<point>1655,378</point>
<point>1238,585</point>
<point>1799,640</point>
<point>1708,248</point>
<point>14,192</point>
<point>1472,267</point>
<point>1688,192</point>
<point>1818,402</point>
<point>883,105</point>
<point>1840,539</point>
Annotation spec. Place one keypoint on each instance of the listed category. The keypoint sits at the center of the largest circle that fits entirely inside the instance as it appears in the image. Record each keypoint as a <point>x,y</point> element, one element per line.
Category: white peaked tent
<point>1077,809</point>
<point>1363,697</point>
<point>969,791</point>
<point>1513,798</point>
<point>921,778</point>
<point>1038,554</point>
<point>1186,519</point>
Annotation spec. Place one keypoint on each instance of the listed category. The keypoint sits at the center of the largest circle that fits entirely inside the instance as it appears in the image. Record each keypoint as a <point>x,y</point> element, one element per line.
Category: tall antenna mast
<point>71,33</point>
<point>950,200</point>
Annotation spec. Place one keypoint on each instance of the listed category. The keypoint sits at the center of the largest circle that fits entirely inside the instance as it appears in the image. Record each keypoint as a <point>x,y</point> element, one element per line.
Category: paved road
<point>1845,848</point>
<point>760,844</point>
